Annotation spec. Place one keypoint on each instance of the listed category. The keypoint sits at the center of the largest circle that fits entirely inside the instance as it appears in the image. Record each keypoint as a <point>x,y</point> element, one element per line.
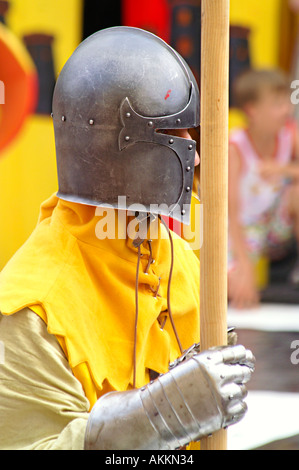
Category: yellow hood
<point>86,287</point>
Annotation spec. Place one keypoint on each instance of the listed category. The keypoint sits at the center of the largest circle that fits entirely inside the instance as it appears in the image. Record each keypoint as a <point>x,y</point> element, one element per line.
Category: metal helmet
<point>114,97</point>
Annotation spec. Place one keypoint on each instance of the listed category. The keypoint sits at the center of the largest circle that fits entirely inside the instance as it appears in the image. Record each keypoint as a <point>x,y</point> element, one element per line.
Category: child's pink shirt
<point>257,195</point>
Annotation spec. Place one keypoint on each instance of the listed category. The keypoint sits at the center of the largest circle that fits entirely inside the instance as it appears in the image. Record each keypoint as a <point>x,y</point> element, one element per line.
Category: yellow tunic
<point>84,290</point>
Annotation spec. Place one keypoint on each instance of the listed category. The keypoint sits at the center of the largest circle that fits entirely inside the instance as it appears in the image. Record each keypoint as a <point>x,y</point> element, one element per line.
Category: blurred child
<point>263,181</point>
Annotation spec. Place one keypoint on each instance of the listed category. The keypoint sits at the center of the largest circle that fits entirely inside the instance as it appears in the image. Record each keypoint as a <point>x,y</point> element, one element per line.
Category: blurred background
<point>36,39</point>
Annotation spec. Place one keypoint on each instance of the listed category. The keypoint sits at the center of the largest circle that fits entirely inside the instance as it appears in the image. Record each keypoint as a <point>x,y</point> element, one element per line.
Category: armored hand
<point>196,398</point>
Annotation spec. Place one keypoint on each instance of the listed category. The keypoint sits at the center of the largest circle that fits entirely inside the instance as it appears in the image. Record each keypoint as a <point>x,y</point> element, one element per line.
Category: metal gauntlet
<point>199,396</point>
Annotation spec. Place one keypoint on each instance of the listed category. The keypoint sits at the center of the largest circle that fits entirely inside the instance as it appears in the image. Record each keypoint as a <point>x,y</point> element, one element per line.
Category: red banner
<point>153,16</point>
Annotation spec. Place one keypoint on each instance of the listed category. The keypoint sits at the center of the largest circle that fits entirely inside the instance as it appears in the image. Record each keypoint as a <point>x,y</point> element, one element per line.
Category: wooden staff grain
<point>214,182</point>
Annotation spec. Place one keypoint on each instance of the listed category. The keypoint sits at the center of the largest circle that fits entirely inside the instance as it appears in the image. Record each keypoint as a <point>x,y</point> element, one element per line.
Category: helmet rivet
<point>190,147</point>
<point>178,121</point>
<point>128,115</point>
<point>127,138</point>
<point>150,123</point>
<point>188,189</point>
<point>63,118</point>
<point>171,141</point>
<point>183,212</point>
<point>91,122</point>
<point>188,168</point>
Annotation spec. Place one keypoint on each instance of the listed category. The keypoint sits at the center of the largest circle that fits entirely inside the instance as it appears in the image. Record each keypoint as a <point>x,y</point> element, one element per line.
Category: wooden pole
<point>214,182</point>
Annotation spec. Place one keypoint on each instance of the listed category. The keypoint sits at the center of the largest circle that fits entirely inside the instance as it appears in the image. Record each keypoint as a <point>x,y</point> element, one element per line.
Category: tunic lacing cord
<point>137,243</point>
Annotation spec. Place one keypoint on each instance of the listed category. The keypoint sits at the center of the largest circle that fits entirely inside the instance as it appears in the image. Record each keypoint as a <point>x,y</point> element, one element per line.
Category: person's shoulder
<point>291,125</point>
<point>237,135</point>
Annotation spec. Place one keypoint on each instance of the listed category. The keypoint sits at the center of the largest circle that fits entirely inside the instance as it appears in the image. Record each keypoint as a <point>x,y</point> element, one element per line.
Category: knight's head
<point>115,102</point>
